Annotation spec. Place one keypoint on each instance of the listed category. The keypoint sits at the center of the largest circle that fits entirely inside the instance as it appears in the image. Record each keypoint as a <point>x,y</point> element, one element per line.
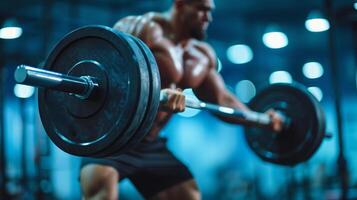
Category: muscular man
<point>185,61</point>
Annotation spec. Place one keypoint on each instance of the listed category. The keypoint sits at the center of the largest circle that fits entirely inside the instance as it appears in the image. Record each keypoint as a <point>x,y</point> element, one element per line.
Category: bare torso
<point>182,64</point>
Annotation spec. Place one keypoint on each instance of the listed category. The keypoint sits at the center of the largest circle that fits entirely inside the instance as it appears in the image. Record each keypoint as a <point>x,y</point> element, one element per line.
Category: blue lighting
<point>316,22</point>
<point>317,25</point>
<point>239,54</point>
<point>275,40</point>
<point>316,91</point>
<point>245,90</point>
<point>313,70</point>
<point>219,65</point>
<point>10,29</point>
<point>10,32</point>
<point>355,5</point>
<point>280,77</point>
<point>23,91</point>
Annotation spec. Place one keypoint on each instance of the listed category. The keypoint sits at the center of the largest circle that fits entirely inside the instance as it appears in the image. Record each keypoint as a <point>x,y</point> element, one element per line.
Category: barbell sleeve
<point>81,87</point>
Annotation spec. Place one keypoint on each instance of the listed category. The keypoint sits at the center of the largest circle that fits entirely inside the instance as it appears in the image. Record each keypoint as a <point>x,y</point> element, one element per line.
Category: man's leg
<point>99,182</point>
<point>186,190</point>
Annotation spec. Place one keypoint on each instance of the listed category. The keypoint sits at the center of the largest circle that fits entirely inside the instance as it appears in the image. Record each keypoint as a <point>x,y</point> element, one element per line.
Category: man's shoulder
<point>153,22</point>
<point>141,25</point>
<point>147,19</point>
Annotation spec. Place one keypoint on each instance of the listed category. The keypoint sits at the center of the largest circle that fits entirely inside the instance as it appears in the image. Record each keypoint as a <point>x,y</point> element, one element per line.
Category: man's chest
<point>194,63</point>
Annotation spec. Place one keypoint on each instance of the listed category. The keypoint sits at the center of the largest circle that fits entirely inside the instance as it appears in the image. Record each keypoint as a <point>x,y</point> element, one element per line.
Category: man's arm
<point>213,90</point>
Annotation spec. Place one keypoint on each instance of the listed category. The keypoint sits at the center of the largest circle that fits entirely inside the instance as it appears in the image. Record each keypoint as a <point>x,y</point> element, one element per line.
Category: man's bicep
<point>152,35</point>
<point>163,51</point>
<point>138,26</point>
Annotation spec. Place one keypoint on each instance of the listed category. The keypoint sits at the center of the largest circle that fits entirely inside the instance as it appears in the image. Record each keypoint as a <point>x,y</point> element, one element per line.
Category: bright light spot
<point>10,32</point>
<point>219,65</point>
<point>355,5</point>
<point>23,91</point>
<point>316,91</point>
<point>226,110</point>
<point>189,112</point>
<point>280,77</point>
<point>317,24</point>
<point>239,54</point>
<point>313,70</point>
<point>275,40</point>
<point>245,90</point>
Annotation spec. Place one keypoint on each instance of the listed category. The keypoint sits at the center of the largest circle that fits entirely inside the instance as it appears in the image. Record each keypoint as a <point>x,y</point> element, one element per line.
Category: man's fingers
<point>179,102</point>
<point>276,121</point>
<point>182,103</point>
<point>175,100</point>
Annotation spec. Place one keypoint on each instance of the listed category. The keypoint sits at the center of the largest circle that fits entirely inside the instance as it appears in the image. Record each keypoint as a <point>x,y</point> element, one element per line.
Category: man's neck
<point>178,30</point>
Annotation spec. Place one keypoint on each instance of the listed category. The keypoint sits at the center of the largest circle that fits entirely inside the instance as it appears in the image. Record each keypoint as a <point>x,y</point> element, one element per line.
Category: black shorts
<point>150,166</point>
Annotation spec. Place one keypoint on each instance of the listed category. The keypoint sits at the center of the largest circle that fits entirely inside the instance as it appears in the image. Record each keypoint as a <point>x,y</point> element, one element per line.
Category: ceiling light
<point>274,38</point>
<point>23,91</point>
<point>280,77</point>
<point>239,54</point>
<point>245,90</point>
<point>10,30</point>
<point>316,91</point>
<point>313,70</point>
<point>316,22</point>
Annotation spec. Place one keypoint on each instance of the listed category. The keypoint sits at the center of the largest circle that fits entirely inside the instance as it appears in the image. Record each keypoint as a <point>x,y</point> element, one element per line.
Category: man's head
<point>195,15</point>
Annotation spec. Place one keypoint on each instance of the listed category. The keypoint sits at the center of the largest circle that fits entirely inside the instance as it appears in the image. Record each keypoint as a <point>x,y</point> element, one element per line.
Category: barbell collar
<point>82,87</point>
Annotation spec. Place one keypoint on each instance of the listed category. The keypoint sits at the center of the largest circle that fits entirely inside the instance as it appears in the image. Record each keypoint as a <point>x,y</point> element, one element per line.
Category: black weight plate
<point>116,148</point>
<point>92,132</point>
<point>300,141</point>
<point>154,97</point>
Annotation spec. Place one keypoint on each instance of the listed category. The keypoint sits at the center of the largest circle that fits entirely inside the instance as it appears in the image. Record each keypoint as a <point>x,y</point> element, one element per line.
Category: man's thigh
<point>99,181</point>
<point>185,190</point>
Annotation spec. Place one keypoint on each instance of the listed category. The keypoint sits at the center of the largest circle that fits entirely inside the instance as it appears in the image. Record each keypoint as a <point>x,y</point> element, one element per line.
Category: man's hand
<point>276,120</point>
<point>174,100</point>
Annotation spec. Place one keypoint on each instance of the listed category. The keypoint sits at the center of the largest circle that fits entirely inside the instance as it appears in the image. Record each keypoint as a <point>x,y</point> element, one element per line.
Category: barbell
<point>99,93</point>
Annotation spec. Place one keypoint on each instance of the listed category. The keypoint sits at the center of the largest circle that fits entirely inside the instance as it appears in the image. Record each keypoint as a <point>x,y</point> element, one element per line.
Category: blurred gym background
<point>258,42</point>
